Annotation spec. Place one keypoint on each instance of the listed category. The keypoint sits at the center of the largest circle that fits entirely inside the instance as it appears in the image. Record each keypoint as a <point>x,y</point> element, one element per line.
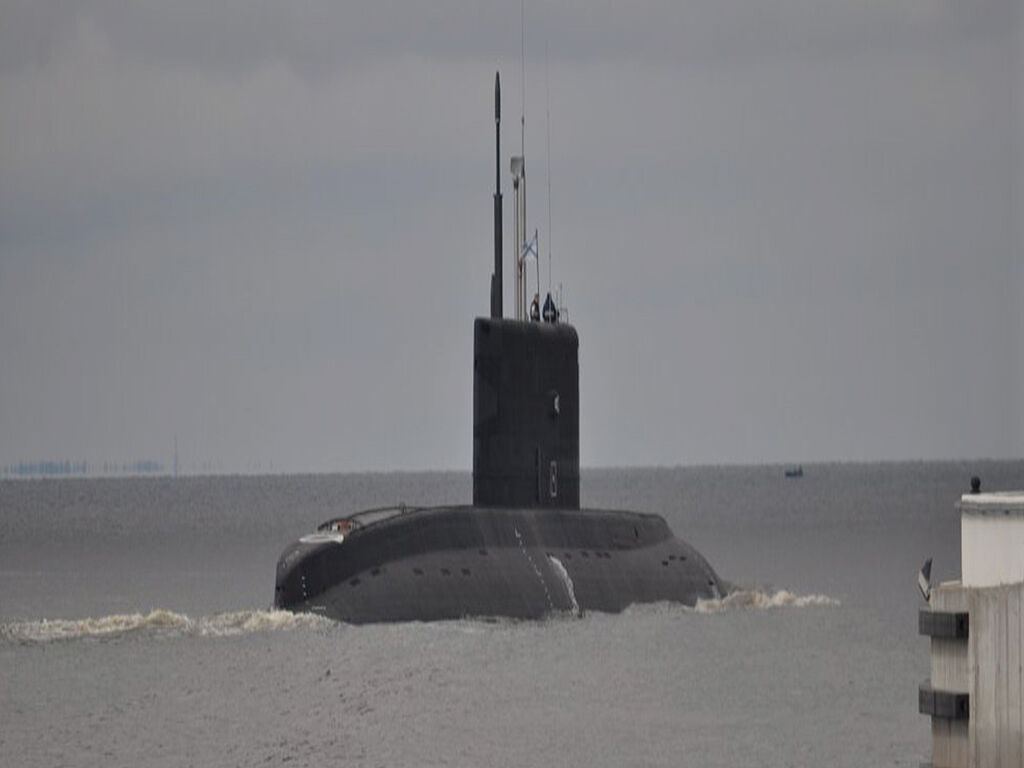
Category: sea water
<point>136,629</point>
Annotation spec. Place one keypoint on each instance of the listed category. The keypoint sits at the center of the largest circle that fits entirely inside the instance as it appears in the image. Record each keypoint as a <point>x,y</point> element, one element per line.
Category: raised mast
<point>519,185</point>
<point>496,288</point>
<point>519,180</point>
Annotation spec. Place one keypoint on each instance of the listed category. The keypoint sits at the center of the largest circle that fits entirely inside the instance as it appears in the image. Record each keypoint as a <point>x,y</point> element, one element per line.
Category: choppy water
<point>135,629</point>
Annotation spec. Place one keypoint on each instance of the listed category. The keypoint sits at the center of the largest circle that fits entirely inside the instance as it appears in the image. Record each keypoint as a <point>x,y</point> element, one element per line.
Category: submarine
<point>524,548</point>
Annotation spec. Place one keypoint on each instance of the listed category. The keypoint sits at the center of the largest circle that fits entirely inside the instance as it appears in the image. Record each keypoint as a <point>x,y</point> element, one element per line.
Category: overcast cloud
<point>787,231</point>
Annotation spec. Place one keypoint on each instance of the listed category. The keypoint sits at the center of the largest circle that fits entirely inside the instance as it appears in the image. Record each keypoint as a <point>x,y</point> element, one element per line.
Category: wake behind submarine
<point>524,549</point>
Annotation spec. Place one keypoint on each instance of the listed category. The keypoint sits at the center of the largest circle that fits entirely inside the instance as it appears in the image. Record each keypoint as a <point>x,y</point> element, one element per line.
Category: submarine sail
<point>524,548</point>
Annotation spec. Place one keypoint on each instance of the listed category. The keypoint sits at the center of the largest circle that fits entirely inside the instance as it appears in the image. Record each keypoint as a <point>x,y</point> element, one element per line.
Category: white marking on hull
<point>322,538</point>
<point>570,588</point>
<point>536,570</point>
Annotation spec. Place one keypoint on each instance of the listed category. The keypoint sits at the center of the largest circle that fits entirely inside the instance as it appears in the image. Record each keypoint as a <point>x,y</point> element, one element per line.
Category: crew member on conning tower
<point>550,310</point>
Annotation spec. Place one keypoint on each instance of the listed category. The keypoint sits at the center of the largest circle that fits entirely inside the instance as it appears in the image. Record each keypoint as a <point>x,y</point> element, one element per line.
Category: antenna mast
<point>547,99</point>
<point>496,288</point>
<point>522,78</point>
<point>519,184</point>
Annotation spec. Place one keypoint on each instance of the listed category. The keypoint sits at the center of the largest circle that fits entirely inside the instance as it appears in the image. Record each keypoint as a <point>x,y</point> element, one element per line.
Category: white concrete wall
<point>987,666</point>
<point>992,539</point>
<point>996,725</point>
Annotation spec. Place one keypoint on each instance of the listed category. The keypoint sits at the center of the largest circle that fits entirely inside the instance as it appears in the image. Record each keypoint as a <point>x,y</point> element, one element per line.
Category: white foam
<point>563,574</point>
<point>158,623</point>
<point>755,599</point>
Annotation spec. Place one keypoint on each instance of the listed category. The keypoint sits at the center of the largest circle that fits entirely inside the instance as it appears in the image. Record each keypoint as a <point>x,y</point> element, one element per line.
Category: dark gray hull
<point>451,562</point>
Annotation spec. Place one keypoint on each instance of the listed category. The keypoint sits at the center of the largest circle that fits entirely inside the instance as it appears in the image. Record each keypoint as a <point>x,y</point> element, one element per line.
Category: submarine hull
<point>454,562</point>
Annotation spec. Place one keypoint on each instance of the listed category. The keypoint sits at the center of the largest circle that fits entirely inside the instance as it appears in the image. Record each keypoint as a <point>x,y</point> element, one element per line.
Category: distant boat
<point>797,471</point>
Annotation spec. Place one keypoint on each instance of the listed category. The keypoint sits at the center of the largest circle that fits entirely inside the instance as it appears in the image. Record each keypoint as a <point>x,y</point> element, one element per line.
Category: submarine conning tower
<point>526,427</point>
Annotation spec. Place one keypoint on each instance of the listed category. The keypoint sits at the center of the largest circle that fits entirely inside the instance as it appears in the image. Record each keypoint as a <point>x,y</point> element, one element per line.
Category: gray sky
<point>787,231</point>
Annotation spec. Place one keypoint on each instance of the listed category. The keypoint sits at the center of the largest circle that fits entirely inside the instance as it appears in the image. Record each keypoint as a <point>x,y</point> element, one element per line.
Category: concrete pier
<point>976,626</point>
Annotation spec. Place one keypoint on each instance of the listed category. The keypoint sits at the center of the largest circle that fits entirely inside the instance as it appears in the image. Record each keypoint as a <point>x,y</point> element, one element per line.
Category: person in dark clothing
<point>550,310</point>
